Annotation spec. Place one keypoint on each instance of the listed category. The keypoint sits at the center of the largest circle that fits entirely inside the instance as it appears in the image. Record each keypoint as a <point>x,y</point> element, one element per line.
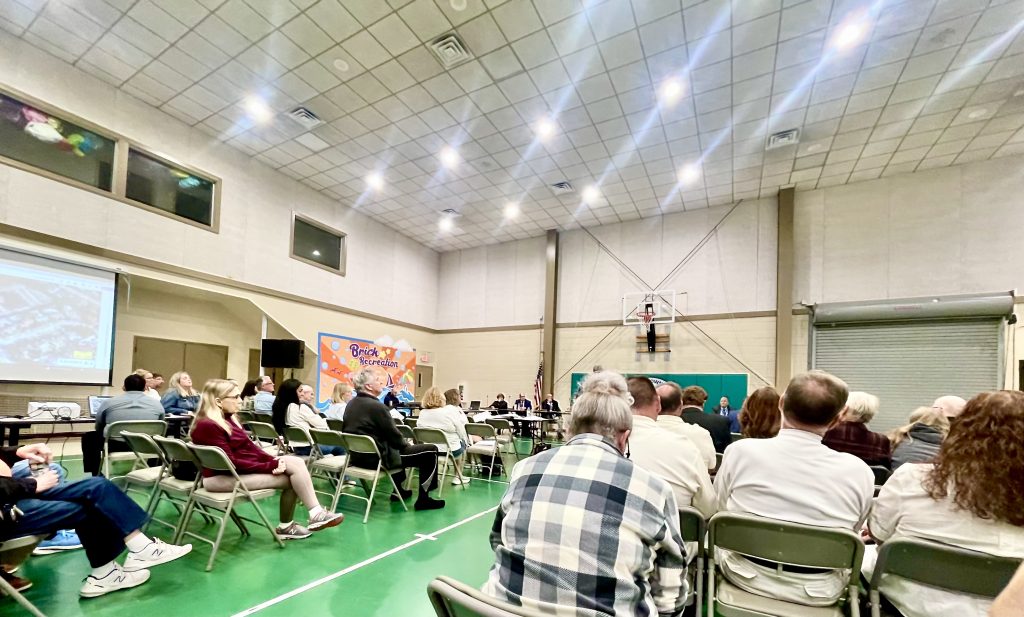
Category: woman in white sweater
<point>292,408</point>
<point>451,421</point>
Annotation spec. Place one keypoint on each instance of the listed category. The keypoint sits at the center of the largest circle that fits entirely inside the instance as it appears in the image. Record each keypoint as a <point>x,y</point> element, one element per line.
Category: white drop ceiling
<point>935,83</point>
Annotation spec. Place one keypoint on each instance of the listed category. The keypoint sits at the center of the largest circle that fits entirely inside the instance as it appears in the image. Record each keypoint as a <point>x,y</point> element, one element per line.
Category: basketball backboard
<point>662,303</point>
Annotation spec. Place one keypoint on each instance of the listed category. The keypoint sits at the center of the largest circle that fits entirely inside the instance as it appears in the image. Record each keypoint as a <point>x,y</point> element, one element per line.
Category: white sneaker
<point>117,580</point>
<point>156,553</point>
<point>458,482</point>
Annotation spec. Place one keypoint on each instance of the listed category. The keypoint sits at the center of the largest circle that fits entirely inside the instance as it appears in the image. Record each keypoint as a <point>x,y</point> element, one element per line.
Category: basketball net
<point>646,318</point>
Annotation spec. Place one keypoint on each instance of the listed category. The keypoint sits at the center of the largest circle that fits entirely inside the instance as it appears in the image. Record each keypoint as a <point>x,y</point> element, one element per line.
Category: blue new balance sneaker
<point>65,540</point>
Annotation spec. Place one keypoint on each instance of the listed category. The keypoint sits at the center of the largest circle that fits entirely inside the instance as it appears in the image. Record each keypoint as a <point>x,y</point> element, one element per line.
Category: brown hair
<point>642,390</point>
<point>452,397</point>
<point>694,396</point>
<point>981,462</point>
<point>815,398</point>
<point>671,398</point>
<point>760,417</point>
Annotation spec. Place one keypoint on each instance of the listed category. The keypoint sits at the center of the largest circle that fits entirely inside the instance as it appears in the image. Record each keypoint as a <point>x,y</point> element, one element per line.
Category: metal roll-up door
<point>910,364</point>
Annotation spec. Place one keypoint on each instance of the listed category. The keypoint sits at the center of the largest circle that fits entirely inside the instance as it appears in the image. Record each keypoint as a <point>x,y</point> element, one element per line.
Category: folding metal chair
<point>693,528</point>
<point>784,543</point>
<point>452,598</point>
<point>487,446</point>
<point>407,432</point>
<point>944,567</point>
<point>410,422</point>
<point>504,434</point>
<point>297,437</point>
<point>245,417</point>
<point>146,479</point>
<point>362,444</point>
<point>331,468</point>
<point>112,432</point>
<point>177,492</point>
<point>14,552</point>
<point>266,437</point>
<point>335,425</point>
<point>213,458</point>
<point>437,437</point>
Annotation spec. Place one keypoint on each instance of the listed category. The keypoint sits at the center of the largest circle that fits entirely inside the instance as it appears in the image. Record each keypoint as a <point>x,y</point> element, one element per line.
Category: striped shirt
<point>581,530</point>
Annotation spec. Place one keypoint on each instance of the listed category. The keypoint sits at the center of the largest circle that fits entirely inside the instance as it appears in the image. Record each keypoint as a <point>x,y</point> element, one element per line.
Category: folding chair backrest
<point>692,526</point>
<point>245,416</point>
<point>297,436</point>
<point>264,431</point>
<point>406,431</point>
<point>734,437</point>
<point>212,457</point>
<point>149,427</point>
<point>454,599</point>
<point>336,425</point>
<point>410,422</point>
<point>881,474</point>
<point>787,543</point>
<point>479,429</point>
<point>431,435</point>
<point>500,425</point>
<point>328,438</point>
<point>360,444</point>
<point>946,567</point>
<point>175,450</point>
<point>143,445</point>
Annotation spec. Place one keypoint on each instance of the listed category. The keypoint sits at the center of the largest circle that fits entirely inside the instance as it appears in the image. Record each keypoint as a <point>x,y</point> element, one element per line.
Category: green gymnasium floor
<point>380,568</point>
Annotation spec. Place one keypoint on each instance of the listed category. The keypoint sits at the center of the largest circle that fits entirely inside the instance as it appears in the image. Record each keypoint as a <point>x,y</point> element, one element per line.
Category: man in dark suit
<point>693,412</point>
<point>733,415</point>
<point>549,404</point>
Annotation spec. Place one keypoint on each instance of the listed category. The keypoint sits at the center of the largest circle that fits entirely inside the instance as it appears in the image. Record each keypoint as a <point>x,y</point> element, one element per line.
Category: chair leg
<point>339,484</point>
<point>373,490</point>
<point>240,524</point>
<point>20,599</point>
<point>220,530</point>
<point>184,519</point>
<point>267,523</point>
<point>444,471</point>
<point>394,487</point>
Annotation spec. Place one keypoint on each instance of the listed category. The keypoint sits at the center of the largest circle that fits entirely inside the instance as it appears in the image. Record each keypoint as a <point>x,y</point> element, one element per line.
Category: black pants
<point>421,456</point>
<point>92,451</point>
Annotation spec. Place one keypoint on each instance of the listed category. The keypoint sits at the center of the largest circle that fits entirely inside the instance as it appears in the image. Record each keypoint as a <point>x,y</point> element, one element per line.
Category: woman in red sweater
<point>215,425</point>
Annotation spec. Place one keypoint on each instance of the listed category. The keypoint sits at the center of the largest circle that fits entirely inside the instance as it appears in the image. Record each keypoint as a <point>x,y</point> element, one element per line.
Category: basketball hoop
<point>646,318</point>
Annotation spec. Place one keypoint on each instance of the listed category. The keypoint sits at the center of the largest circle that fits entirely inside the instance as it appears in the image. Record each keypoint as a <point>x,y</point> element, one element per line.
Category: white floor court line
<point>424,536</point>
<point>330,577</point>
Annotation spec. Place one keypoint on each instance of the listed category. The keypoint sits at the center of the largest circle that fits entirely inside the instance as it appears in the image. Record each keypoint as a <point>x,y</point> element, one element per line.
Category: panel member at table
<point>549,403</point>
<point>391,400</point>
<point>522,403</point>
<point>500,402</point>
<point>134,404</point>
<point>730,414</point>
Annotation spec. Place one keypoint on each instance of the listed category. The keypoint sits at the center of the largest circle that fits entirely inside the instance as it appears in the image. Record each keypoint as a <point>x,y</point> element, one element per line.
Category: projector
<point>54,411</point>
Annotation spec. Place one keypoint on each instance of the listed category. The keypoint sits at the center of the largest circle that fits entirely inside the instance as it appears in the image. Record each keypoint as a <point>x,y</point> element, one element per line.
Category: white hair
<point>602,406</point>
<point>364,376</point>
<point>861,407</point>
<point>950,405</point>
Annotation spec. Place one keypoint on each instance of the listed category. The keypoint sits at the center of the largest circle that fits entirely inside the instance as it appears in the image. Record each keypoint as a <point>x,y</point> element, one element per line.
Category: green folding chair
<point>362,444</point>
<point>336,425</point>
<point>693,528</point>
<point>245,417</point>
<point>487,446</point>
<point>407,433</point>
<point>410,422</point>
<point>172,490</point>
<point>112,432</point>
<point>221,506</point>
<point>451,598</point>
<point>783,543</point>
<point>437,437</point>
<point>331,468</point>
<point>941,566</point>
<point>266,437</point>
<point>505,435</point>
<point>298,437</point>
<point>146,479</point>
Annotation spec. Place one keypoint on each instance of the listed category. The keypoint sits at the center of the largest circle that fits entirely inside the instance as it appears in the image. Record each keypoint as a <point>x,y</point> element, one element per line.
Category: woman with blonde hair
<point>215,424</point>
<point>150,391</point>
<point>919,440</point>
<point>180,397</point>
<point>450,420</point>
<point>340,397</point>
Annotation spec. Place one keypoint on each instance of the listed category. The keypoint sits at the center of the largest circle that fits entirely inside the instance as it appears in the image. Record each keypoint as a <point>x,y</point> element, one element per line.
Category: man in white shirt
<point>673,458</point>
<point>794,477</point>
<point>264,399</point>
<point>671,419</point>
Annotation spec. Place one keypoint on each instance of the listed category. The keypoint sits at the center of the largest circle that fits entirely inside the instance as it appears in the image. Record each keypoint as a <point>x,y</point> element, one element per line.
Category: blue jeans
<point>22,470</point>
<point>95,508</point>
<point>335,450</point>
<point>462,448</point>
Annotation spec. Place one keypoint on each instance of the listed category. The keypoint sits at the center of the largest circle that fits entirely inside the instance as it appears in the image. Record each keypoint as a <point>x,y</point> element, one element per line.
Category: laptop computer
<point>474,405</point>
<point>95,402</point>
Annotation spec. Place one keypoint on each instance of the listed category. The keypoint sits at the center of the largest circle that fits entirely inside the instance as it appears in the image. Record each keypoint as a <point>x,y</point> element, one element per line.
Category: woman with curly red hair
<point>971,497</point>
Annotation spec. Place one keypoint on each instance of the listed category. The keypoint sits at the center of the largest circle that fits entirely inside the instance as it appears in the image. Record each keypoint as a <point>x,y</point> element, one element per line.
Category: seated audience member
<point>63,540</point>
<point>134,404</point>
<point>950,405</point>
<point>852,435</point>
<point>670,396</point>
<point>292,408</point>
<point>918,441</point>
<point>340,397</point>
<point>106,519</point>
<point>264,399</point>
<point>158,382</point>
<point>730,414</point>
<point>1010,602</point>
<point>215,424</point>
<point>794,477</point>
<point>549,404</point>
<point>693,398</point>
<point>566,544</point>
<point>451,421</point>
<point>150,382</point>
<point>760,417</point>
<point>667,455</point>
<point>500,402</point>
<point>365,415</point>
<point>453,400</point>
<point>249,389</point>
<point>180,397</point>
<point>971,497</point>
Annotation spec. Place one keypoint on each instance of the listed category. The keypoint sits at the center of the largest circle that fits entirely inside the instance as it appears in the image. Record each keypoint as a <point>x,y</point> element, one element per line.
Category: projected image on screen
<point>56,320</point>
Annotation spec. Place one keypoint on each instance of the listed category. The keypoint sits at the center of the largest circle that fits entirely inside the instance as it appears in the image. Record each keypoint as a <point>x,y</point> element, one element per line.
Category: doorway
<point>424,379</point>
<point>201,361</point>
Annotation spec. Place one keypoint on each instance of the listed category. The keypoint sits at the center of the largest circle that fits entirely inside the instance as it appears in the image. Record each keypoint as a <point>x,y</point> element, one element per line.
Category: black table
<point>10,428</point>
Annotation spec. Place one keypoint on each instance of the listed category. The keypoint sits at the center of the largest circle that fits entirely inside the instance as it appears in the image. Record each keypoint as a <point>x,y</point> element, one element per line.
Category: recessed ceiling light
<point>449,157</point>
<point>375,181</point>
<point>544,128</point>
<point>446,223</point>
<point>316,253</point>
<point>977,113</point>
<point>258,109</point>
<point>590,194</point>
<point>850,32</point>
<point>1019,92</point>
<point>671,91</point>
<point>511,210</point>
<point>814,147</point>
<point>457,5</point>
<point>341,65</point>
<point>689,174</point>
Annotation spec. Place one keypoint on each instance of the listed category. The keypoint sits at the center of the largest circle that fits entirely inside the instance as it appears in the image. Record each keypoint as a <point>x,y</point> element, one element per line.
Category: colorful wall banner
<point>341,357</point>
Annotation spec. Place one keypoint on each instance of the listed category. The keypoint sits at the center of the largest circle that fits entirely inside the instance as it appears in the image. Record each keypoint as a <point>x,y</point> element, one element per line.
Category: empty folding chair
<point>693,528</point>
<point>452,598</point>
<point>213,458</point>
<point>504,435</point>
<point>112,432</point>
<point>407,432</point>
<point>362,444</point>
<point>267,438</point>
<point>145,479</point>
<point>13,552</point>
<point>410,422</point>
<point>331,468</point>
<point>788,544</point>
<point>437,437</point>
<point>487,446</point>
<point>173,490</point>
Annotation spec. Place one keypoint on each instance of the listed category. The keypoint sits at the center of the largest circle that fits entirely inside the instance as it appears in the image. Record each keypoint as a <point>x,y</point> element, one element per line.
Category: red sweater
<point>246,456</point>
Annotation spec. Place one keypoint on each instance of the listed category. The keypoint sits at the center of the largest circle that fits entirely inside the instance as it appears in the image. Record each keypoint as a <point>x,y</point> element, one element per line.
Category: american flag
<point>538,386</point>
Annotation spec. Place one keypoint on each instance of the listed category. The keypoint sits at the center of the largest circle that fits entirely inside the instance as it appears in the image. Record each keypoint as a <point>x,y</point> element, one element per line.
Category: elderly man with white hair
<point>950,405</point>
<point>853,436</point>
<point>581,530</point>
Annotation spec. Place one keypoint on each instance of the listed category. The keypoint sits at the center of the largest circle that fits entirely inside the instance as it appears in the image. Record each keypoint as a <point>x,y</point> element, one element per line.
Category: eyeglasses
<point>234,396</point>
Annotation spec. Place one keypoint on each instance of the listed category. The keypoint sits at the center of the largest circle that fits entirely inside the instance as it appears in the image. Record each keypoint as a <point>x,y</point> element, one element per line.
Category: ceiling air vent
<point>305,117</point>
<point>450,50</point>
<point>562,188</point>
<point>783,138</point>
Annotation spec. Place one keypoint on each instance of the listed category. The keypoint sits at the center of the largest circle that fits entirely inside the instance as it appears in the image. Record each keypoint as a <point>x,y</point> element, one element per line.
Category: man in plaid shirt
<point>583,531</point>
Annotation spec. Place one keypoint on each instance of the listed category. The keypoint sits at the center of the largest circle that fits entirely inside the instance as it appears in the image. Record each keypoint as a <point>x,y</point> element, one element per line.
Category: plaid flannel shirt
<point>581,530</point>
